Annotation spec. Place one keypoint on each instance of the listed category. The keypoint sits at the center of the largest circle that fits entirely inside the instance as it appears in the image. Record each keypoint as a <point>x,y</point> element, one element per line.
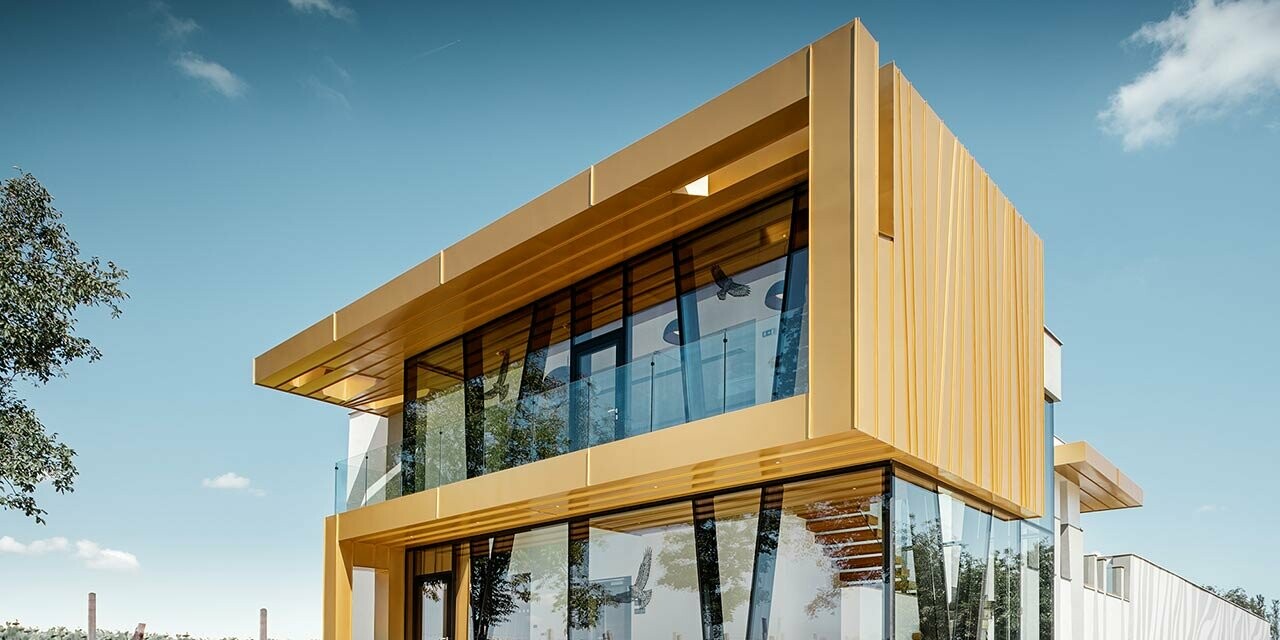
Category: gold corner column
<point>339,560</point>
<point>843,155</point>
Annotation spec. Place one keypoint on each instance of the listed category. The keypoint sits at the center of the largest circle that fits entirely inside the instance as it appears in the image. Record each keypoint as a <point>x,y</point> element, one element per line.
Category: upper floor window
<point>712,322</point>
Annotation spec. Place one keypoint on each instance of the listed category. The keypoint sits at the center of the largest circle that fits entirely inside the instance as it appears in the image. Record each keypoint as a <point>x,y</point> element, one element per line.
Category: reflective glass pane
<point>965,539</point>
<point>518,582</point>
<point>433,609</point>
<point>655,385</point>
<point>829,580</point>
<point>543,410</point>
<point>920,588</point>
<point>737,518</point>
<point>642,577</point>
<point>728,278</point>
<point>1005,580</point>
<point>711,322</point>
<point>434,439</point>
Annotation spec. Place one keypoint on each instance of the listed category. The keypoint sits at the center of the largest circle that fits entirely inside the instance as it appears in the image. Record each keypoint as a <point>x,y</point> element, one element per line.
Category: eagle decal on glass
<point>500,388</point>
<point>640,596</point>
<point>728,286</point>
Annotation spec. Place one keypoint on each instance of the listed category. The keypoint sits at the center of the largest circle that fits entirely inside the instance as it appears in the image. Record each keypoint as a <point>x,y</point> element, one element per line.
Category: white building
<point>1122,597</point>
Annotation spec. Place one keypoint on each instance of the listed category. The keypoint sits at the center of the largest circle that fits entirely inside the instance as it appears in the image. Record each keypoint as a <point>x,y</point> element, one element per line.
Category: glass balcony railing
<point>742,366</point>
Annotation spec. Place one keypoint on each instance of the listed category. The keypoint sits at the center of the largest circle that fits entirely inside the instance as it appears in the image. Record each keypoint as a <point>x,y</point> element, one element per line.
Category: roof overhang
<point>742,145</point>
<point>1103,486</point>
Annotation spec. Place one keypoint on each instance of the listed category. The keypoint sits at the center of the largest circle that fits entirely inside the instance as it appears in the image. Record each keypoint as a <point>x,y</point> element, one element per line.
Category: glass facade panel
<point>714,321</point>
<point>655,380</point>
<point>920,588</point>
<point>730,331</point>
<point>1004,581</point>
<point>961,573</point>
<point>829,580</point>
<point>1038,579</point>
<point>802,559</point>
<point>965,543</point>
<point>517,582</point>
<point>642,576</point>
<point>434,429</point>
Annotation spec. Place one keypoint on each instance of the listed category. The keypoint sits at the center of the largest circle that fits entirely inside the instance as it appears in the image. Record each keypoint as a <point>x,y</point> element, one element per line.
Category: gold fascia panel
<point>377,309</point>
<point>696,137</point>
<point>626,473</point>
<point>291,358</point>
<point>1103,486</point>
<point>519,228</point>
<point>760,444</point>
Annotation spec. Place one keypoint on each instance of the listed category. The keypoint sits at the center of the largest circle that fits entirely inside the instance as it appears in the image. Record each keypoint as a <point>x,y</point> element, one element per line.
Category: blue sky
<point>257,164</point>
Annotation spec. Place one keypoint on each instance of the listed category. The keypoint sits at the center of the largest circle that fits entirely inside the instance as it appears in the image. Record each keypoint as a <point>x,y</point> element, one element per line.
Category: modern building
<point>776,370</point>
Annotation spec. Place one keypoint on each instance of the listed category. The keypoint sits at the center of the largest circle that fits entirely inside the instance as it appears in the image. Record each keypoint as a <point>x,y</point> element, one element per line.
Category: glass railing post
<point>364,494</point>
<point>724,371</point>
<point>653,373</point>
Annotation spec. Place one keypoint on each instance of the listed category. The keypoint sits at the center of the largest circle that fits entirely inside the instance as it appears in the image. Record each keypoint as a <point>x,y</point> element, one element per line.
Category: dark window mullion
<point>579,597</point>
<point>690,349</point>
<point>788,343</point>
<point>473,400</point>
<point>542,325</point>
<point>707,558</point>
<point>768,527</point>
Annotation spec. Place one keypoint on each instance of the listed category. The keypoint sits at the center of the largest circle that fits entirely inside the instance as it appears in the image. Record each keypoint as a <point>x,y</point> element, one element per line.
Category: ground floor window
<point>962,572</point>
<point>863,554</point>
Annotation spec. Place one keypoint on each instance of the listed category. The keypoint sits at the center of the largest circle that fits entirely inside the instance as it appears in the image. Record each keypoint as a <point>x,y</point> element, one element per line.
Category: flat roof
<point>747,143</point>
<point>1103,486</point>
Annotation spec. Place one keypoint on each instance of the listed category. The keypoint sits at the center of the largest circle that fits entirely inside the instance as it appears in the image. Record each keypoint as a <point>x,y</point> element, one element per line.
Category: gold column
<point>396,593</point>
<point>843,214</point>
<point>337,583</point>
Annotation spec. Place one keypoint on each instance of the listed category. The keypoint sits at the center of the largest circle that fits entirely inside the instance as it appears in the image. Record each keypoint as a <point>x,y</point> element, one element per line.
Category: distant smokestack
<point>93,616</point>
<point>262,624</point>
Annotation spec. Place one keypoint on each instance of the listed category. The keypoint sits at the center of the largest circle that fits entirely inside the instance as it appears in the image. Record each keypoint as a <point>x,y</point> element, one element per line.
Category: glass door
<point>433,607</point>
<point>596,398</point>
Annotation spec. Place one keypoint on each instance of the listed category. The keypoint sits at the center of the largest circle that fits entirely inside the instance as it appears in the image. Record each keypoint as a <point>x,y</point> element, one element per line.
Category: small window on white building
<point>1064,551</point>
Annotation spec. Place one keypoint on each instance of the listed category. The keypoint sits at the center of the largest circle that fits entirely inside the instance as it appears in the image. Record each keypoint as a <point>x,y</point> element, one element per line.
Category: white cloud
<point>1209,508</point>
<point>434,50</point>
<point>228,480</point>
<point>172,27</point>
<point>338,69</point>
<point>328,93</point>
<point>96,557</point>
<point>35,548</point>
<point>219,77</point>
<point>329,7</point>
<point>93,555</point>
<point>1214,56</point>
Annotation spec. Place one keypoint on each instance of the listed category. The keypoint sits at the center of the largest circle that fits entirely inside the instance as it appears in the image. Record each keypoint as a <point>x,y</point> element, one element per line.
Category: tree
<point>1256,604</point>
<point>43,283</point>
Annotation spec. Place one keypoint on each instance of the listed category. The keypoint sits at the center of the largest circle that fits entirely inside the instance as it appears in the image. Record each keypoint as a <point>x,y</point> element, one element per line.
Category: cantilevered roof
<point>742,145</point>
<point>1103,486</point>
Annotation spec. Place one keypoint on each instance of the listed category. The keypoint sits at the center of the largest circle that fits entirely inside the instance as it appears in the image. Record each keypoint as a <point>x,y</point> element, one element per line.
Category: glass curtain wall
<point>712,322</point>
<point>963,573</point>
<point>801,560</point>
<point>857,555</point>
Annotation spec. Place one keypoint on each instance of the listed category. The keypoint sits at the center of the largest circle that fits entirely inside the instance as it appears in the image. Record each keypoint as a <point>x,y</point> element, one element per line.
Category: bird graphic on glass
<point>640,596</point>
<point>500,387</point>
<point>728,286</point>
